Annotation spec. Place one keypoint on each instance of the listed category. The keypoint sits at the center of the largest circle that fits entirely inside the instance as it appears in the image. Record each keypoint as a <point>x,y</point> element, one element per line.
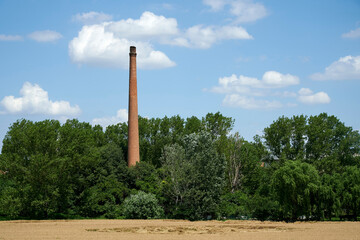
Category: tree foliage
<point>295,186</point>
<point>196,177</point>
<point>301,168</point>
<point>142,206</point>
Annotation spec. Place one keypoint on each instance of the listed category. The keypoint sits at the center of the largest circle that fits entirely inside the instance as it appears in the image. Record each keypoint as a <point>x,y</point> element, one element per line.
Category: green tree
<point>329,202</point>
<point>177,182</point>
<point>350,194</point>
<point>105,198</point>
<point>286,137</point>
<point>235,205</point>
<point>192,125</point>
<point>243,163</point>
<point>321,140</point>
<point>295,186</point>
<point>331,145</point>
<point>29,158</point>
<point>111,185</point>
<point>217,124</point>
<point>145,177</point>
<point>203,170</point>
<point>118,134</point>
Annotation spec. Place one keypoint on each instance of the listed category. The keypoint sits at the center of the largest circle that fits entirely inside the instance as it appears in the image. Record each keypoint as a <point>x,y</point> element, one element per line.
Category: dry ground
<point>176,229</point>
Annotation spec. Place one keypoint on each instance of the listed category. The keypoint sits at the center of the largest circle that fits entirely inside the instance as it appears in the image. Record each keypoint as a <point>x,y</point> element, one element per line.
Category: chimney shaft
<point>133,133</point>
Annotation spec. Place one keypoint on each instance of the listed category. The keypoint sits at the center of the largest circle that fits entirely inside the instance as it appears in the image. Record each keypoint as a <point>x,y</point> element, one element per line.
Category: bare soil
<point>176,229</point>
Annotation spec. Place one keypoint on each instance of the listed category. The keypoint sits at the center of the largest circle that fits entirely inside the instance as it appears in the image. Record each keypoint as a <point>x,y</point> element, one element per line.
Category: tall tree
<point>320,140</point>
<point>330,144</point>
<point>286,138</point>
<point>295,186</point>
<point>196,189</point>
<point>217,124</point>
<point>29,158</point>
<point>350,194</point>
<point>242,162</point>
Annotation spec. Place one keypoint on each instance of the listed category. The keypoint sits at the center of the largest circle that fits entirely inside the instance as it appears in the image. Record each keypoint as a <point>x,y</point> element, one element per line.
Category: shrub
<point>142,206</point>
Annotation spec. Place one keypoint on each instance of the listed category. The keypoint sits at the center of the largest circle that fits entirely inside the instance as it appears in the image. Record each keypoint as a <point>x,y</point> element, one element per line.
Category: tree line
<point>300,168</point>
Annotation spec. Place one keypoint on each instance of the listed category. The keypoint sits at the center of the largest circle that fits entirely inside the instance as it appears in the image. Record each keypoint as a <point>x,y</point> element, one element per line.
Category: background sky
<point>251,60</point>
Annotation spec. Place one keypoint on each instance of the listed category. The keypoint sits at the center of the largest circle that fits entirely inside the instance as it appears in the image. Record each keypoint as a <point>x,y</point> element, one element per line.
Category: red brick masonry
<point>133,141</point>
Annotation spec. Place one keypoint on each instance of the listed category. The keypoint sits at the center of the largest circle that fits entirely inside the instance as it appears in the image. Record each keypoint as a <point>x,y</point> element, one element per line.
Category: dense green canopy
<point>301,168</point>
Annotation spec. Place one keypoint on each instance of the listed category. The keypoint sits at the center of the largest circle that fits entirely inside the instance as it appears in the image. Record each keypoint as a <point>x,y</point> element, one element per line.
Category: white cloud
<point>149,26</point>
<point>121,116</point>
<point>236,100</point>
<point>10,37</point>
<point>204,37</point>
<point>270,79</point>
<point>45,36</point>
<point>107,44</point>
<point>247,10</point>
<point>92,17</point>
<point>285,94</point>
<point>35,100</point>
<point>346,68</point>
<point>352,34</point>
<point>305,91</point>
<point>243,10</point>
<point>308,97</point>
<point>215,5</point>
<point>274,79</point>
<point>95,46</point>
<point>252,93</point>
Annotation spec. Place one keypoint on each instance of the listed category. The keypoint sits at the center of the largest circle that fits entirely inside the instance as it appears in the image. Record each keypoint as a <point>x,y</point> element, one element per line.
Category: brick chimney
<point>133,134</point>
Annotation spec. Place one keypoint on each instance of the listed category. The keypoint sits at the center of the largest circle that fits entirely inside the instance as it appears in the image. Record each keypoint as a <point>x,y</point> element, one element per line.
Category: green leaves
<point>142,206</point>
<point>350,194</point>
<point>193,168</point>
<point>195,177</point>
<point>322,141</point>
<point>295,187</point>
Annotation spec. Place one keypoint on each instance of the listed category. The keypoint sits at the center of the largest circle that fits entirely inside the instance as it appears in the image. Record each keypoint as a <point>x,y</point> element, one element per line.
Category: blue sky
<point>251,60</point>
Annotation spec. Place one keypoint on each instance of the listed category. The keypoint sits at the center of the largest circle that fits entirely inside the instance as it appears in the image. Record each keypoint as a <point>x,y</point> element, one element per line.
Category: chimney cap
<point>132,49</point>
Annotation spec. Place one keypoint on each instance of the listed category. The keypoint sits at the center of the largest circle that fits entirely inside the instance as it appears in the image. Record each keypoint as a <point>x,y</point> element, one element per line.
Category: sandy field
<point>176,229</point>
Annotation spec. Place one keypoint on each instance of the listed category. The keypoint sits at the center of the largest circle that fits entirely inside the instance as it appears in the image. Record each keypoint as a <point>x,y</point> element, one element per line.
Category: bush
<point>142,206</point>
<point>234,205</point>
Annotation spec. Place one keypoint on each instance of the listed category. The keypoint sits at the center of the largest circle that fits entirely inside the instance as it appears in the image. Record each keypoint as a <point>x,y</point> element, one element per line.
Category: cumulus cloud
<point>241,84</point>
<point>45,36</point>
<point>35,100</point>
<point>247,10</point>
<point>148,26</point>
<point>10,37</point>
<point>307,96</point>
<point>265,93</point>
<point>121,116</point>
<point>107,43</point>
<point>352,34</point>
<point>346,68</point>
<point>236,100</point>
<point>151,27</point>
<point>252,93</point>
<point>243,10</point>
<point>95,46</point>
<point>204,37</point>
<point>92,17</point>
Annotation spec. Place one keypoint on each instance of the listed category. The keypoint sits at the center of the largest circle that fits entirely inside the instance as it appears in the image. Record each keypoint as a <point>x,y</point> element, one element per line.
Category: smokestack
<point>133,134</point>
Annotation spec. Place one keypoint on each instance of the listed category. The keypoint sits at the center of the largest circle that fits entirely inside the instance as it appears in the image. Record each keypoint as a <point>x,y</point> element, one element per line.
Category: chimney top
<point>132,49</point>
